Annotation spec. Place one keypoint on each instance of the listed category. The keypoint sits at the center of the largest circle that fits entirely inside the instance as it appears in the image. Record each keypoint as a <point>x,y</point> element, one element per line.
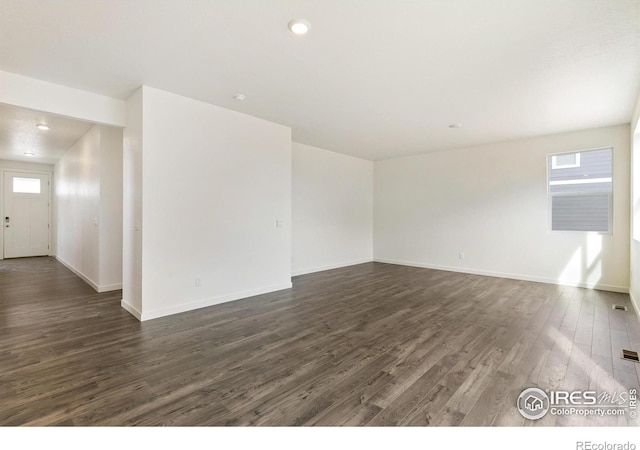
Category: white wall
<point>214,184</point>
<point>634,134</point>
<point>77,206</point>
<point>332,209</point>
<point>31,93</point>
<point>20,165</point>
<point>87,208</point>
<point>110,214</point>
<point>132,207</point>
<point>490,202</point>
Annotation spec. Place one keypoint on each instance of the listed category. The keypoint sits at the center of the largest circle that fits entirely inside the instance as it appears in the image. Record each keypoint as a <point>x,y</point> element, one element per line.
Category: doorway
<point>25,220</point>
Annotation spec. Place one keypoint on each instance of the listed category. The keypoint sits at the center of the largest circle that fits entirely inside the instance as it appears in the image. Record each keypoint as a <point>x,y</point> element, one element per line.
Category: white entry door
<point>26,214</point>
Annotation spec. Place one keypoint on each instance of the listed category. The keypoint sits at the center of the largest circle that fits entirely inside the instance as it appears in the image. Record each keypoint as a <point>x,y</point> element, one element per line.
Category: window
<point>581,190</point>
<point>565,161</point>
<point>26,185</point>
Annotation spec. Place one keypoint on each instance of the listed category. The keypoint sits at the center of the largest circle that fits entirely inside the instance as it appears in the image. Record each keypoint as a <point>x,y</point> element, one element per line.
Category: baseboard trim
<point>110,287</point>
<point>98,288</point>
<point>85,278</point>
<point>131,310</point>
<point>306,271</point>
<point>154,314</point>
<point>634,304</point>
<point>512,276</point>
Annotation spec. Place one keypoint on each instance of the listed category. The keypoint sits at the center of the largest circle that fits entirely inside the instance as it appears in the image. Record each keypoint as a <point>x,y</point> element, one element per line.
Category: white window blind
<point>581,190</point>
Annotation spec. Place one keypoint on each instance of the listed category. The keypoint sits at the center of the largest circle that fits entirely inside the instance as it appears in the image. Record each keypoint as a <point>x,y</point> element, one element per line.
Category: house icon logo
<point>533,403</point>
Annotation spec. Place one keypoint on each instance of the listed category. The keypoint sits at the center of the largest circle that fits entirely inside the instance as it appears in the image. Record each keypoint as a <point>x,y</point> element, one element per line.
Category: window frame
<point>550,194</point>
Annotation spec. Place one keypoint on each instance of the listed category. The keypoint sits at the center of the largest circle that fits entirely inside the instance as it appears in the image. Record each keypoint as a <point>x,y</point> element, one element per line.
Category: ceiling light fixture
<point>455,125</point>
<point>42,126</point>
<point>29,154</point>
<point>239,97</point>
<point>299,26</point>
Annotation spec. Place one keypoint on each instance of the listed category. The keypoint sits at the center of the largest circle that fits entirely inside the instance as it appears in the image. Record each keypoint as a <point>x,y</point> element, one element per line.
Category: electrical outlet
<point>279,223</point>
<point>461,255</point>
<point>198,284</point>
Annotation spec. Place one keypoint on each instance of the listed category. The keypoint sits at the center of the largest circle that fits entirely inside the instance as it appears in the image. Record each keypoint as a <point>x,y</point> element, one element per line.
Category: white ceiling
<point>19,134</point>
<point>373,78</point>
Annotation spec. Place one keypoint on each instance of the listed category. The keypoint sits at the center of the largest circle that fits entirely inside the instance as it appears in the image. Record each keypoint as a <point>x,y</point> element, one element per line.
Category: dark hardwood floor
<point>372,344</point>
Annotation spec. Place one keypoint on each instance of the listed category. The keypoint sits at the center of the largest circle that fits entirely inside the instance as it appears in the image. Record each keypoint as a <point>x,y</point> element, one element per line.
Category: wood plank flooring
<point>373,344</point>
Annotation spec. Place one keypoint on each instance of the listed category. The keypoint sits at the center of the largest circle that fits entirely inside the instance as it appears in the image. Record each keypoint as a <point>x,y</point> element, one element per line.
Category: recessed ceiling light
<point>239,97</point>
<point>29,154</point>
<point>455,125</point>
<point>42,126</point>
<point>299,26</point>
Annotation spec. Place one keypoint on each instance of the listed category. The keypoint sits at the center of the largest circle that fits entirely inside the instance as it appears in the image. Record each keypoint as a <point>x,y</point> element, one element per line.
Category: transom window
<point>26,185</point>
<point>565,161</point>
